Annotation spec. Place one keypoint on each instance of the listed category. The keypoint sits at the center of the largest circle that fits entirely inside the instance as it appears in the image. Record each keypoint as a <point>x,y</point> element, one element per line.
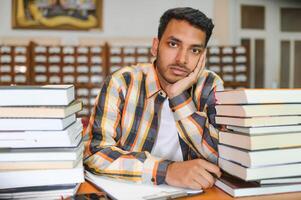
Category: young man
<point>154,123</point>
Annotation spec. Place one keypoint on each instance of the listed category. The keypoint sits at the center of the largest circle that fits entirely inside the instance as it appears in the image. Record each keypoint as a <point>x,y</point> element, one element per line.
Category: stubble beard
<point>162,75</point>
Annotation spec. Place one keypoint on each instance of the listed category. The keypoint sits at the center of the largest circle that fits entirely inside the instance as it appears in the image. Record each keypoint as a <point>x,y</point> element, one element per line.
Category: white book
<point>20,124</point>
<point>40,111</point>
<point>239,188</point>
<point>36,95</point>
<point>260,142</point>
<point>258,96</point>
<point>285,180</point>
<point>45,164</point>
<point>263,172</point>
<point>129,190</point>
<point>265,129</point>
<point>260,157</point>
<point>41,154</point>
<point>69,137</point>
<point>30,178</point>
<point>40,192</point>
<point>259,121</point>
<point>257,110</point>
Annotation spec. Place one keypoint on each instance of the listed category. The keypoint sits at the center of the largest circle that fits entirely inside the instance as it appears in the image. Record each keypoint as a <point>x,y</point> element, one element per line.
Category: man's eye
<point>172,44</point>
<point>196,51</point>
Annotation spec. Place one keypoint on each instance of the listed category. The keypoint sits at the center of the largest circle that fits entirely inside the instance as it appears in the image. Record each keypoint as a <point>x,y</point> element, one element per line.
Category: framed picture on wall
<point>57,14</point>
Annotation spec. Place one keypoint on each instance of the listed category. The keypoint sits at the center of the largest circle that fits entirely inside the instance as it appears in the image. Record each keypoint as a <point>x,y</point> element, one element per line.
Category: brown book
<point>239,188</point>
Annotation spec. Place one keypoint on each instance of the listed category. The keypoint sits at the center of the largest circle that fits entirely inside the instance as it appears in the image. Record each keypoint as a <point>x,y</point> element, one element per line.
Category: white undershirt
<point>167,144</point>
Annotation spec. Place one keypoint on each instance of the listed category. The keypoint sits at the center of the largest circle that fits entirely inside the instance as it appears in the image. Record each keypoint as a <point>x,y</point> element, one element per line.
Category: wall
<point>121,18</point>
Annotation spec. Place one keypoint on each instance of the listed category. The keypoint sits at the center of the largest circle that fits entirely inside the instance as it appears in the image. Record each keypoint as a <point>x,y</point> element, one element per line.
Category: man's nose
<point>182,56</point>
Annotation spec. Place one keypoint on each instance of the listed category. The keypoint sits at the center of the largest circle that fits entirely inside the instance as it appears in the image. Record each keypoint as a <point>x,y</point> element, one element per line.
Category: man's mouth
<point>179,71</point>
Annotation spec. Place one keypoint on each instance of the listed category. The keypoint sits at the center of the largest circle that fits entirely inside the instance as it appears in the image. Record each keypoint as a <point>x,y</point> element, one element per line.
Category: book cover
<point>40,111</point>
<point>239,188</point>
<point>284,180</point>
<point>40,192</point>
<point>258,96</point>
<point>258,173</point>
<point>265,129</point>
<point>21,124</point>
<point>258,110</point>
<point>46,95</point>
<point>260,157</point>
<point>259,121</point>
<point>41,154</point>
<point>69,137</point>
<point>260,142</point>
<point>42,177</point>
<point>37,165</point>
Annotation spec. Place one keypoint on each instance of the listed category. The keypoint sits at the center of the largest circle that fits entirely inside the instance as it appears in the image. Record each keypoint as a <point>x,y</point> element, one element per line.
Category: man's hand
<point>193,174</point>
<point>180,86</point>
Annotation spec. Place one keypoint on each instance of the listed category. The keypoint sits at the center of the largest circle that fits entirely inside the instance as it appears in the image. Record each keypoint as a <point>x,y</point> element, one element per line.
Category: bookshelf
<point>14,65</point>
<point>86,66</point>
<point>231,63</point>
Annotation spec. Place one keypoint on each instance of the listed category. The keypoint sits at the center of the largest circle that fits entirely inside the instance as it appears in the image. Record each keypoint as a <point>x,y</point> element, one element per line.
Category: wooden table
<point>211,194</point>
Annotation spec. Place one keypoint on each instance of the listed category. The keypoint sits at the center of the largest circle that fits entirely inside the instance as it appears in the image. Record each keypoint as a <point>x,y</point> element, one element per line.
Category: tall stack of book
<point>41,145</point>
<point>260,142</point>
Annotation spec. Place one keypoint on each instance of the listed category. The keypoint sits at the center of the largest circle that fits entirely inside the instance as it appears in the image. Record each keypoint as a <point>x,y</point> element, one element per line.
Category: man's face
<point>178,51</point>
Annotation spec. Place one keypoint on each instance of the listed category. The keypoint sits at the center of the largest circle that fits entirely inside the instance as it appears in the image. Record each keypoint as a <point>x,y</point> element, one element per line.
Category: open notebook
<point>123,190</point>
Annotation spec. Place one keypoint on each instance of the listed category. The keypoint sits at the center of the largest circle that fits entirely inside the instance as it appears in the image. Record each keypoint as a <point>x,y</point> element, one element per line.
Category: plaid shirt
<point>124,123</point>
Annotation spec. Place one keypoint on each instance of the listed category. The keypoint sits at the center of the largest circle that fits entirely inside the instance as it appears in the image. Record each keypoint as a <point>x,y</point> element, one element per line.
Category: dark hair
<point>193,16</point>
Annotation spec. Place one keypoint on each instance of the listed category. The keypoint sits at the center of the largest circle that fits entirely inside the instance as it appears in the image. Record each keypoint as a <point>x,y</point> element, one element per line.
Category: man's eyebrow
<point>174,39</point>
<point>202,46</point>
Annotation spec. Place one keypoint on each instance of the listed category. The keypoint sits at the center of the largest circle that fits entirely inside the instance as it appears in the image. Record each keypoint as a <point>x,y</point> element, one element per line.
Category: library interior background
<point>255,44</point>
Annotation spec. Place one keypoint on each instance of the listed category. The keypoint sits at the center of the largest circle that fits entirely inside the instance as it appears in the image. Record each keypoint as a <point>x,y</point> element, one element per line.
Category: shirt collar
<point>152,81</point>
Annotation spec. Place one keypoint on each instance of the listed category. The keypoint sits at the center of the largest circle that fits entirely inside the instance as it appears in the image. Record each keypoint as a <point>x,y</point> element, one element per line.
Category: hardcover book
<point>258,96</point>
<point>259,121</point>
<point>258,142</point>
<point>69,137</point>
<point>41,177</point>
<point>40,111</point>
<point>47,95</point>
<point>261,157</point>
<point>257,110</point>
<point>265,129</point>
<point>239,188</point>
<point>34,124</point>
<point>258,173</point>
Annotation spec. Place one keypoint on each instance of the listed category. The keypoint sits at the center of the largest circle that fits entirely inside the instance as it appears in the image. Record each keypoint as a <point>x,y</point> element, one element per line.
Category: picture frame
<point>57,14</point>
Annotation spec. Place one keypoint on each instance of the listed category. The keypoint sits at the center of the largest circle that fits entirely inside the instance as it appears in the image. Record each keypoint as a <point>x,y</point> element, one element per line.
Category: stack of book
<point>260,142</point>
<point>41,145</point>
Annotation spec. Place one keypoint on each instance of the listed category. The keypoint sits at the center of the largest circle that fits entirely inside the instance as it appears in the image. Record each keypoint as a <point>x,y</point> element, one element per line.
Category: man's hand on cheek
<point>180,86</point>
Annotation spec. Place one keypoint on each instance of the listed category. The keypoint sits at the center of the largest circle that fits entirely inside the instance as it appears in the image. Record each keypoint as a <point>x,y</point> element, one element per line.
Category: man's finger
<point>208,176</point>
<point>202,181</point>
<point>210,167</point>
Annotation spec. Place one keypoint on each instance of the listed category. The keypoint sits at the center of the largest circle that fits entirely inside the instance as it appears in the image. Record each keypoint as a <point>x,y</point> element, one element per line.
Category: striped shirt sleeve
<point>195,125</point>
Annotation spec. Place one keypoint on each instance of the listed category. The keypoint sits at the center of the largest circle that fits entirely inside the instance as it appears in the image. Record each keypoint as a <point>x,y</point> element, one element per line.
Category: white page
<point>123,190</point>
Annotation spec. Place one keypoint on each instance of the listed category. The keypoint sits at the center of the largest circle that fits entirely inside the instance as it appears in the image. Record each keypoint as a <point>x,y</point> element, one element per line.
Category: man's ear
<point>155,47</point>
